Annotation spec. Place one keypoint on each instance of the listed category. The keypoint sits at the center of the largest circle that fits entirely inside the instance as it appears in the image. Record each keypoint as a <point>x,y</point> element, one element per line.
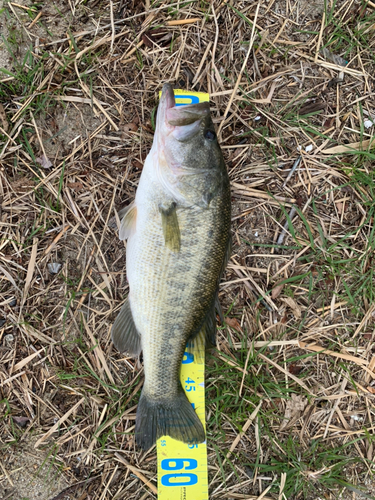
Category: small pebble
<point>9,338</point>
<point>54,267</point>
<point>21,421</point>
<point>249,472</point>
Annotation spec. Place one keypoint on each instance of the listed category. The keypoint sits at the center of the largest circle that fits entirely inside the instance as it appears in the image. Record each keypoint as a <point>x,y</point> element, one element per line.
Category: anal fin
<point>124,333</point>
<point>206,336</point>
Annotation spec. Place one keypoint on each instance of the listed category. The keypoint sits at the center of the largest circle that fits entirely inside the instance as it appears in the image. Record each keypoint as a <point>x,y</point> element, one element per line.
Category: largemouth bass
<point>178,232</point>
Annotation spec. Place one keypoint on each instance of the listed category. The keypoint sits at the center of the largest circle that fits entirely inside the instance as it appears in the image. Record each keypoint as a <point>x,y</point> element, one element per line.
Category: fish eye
<point>210,135</point>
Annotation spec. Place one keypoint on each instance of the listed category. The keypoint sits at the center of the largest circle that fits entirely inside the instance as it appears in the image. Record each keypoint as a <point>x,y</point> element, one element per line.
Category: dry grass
<point>290,396</point>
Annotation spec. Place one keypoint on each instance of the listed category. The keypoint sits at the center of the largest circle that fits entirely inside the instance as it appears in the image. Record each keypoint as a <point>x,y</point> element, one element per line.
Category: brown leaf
<point>334,82</point>
<point>294,369</point>
<point>328,123</point>
<point>293,410</point>
<point>148,127</point>
<point>371,389</point>
<point>311,107</point>
<point>57,78</point>
<point>293,306</point>
<point>22,184</point>
<point>276,290</point>
<point>233,323</point>
<point>147,40</point>
<point>351,148</point>
<point>339,206</point>
<point>299,201</point>
<point>44,161</point>
<point>75,185</point>
<point>136,163</point>
<point>21,421</point>
<point>159,36</point>
<point>127,129</point>
<point>314,272</point>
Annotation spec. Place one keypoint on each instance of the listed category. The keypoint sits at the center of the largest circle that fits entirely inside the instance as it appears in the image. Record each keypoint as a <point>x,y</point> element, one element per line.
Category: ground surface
<point>78,94</point>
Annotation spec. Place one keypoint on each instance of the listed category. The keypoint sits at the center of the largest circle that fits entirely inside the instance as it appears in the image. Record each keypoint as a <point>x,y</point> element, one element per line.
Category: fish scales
<point>178,289</point>
<point>173,278</point>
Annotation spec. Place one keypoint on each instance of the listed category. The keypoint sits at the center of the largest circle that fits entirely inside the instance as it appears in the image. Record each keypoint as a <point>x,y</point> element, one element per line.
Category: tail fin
<point>173,417</point>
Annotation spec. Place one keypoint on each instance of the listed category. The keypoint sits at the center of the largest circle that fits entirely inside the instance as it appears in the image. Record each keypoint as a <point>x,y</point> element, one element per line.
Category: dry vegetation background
<point>290,388</point>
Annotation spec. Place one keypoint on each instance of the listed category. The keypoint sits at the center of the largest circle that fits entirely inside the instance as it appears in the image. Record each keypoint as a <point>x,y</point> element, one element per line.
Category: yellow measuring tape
<point>183,97</point>
<point>182,467</point>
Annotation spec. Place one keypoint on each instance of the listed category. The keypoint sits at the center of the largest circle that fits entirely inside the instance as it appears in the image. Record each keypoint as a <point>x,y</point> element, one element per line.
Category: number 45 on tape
<point>182,467</point>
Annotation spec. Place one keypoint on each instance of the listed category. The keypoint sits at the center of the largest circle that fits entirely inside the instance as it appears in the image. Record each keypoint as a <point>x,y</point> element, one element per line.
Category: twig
<point>320,36</point>
<point>112,26</point>
<point>281,237</point>
<point>36,19</point>
<point>135,471</point>
<point>70,489</point>
<point>252,38</point>
<point>321,350</point>
<point>201,63</point>
<point>240,435</point>
<point>295,165</point>
<point>296,379</point>
<point>282,485</point>
<point>337,402</point>
<point>181,22</point>
<point>58,423</point>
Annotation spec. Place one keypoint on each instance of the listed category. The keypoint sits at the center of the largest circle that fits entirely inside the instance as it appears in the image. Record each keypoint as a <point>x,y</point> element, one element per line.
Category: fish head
<point>187,145</point>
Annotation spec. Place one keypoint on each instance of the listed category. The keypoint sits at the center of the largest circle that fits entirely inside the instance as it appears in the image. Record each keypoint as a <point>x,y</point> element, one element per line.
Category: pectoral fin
<point>128,222</point>
<point>171,230</point>
<point>124,333</point>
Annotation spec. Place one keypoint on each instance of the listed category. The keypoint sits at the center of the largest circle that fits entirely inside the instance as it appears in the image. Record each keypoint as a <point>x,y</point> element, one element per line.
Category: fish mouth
<point>182,121</point>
